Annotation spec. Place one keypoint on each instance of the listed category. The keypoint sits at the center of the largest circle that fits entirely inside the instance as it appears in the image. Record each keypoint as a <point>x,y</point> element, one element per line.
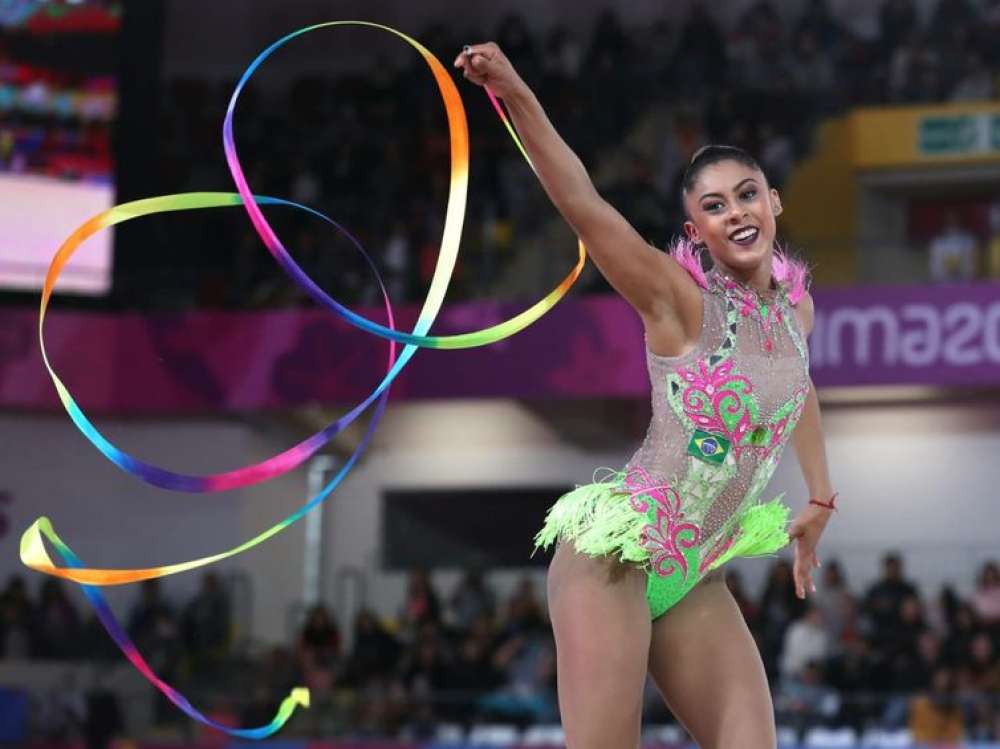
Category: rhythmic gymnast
<point>635,585</point>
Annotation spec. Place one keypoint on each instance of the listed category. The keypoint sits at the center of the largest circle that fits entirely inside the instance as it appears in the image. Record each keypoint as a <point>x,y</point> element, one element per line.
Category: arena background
<point>880,123</point>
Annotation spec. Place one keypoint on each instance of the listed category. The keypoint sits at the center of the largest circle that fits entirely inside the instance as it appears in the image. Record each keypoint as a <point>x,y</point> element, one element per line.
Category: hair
<point>713,154</point>
<point>788,271</point>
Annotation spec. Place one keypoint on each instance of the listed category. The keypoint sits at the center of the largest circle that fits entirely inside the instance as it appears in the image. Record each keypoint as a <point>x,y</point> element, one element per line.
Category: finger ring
<point>467,50</point>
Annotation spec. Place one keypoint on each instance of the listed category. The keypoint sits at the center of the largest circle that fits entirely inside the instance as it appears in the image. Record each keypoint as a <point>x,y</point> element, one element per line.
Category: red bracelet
<point>828,505</point>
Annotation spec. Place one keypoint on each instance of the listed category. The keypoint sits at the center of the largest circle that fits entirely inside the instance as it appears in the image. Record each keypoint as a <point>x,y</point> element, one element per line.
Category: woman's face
<point>731,210</point>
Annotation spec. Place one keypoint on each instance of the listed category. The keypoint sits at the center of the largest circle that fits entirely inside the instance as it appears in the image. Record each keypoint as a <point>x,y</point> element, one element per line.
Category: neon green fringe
<point>600,521</point>
<point>762,532</point>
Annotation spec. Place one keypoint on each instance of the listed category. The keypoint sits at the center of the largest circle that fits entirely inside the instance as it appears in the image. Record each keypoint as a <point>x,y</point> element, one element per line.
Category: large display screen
<point>58,106</point>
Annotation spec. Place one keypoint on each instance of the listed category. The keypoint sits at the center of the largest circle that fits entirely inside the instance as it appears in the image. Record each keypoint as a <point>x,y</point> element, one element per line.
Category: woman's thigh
<point>709,671</point>
<point>601,624</point>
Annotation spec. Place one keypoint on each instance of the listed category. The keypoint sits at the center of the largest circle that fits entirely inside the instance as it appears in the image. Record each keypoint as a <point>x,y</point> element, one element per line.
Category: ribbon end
<point>300,696</point>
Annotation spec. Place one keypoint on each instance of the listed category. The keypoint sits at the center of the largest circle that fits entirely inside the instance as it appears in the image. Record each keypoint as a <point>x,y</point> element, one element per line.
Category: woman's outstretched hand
<point>805,531</point>
<point>486,65</point>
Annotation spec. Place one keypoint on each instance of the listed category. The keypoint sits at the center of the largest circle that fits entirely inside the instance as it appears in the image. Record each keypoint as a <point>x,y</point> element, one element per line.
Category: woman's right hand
<point>486,65</point>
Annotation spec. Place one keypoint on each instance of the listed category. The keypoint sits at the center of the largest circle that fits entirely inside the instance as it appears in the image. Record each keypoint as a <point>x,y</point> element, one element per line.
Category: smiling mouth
<point>745,236</point>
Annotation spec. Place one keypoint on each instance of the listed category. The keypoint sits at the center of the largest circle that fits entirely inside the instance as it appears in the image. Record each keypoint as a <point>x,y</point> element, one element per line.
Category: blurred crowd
<point>371,146</point>
<point>890,656</point>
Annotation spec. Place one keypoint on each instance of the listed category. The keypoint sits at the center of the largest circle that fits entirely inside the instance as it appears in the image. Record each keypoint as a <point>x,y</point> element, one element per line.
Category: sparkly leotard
<point>689,499</point>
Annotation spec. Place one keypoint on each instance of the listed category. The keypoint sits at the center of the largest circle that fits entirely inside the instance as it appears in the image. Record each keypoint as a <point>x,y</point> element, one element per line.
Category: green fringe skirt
<point>607,519</point>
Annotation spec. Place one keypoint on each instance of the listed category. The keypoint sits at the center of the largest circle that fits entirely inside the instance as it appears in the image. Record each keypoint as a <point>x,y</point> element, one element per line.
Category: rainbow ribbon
<point>33,551</point>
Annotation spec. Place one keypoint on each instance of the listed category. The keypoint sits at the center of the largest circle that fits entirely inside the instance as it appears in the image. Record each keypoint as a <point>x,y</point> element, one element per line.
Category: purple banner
<point>945,335</point>
<point>239,361</point>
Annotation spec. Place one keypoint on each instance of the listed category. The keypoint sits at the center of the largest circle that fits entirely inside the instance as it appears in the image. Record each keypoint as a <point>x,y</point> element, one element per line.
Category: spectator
<point>319,648</point>
<point>993,257</point>
<point>936,715</point>
<point>838,605</point>
<point>806,642</point>
<point>104,718</point>
<point>424,670</point>
<point>59,625</point>
<point>911,625</point>
<point>884,599</point>
<point>959,640</point>
<point>525,656</point>
<point>470,677</point>
<point>422,603</point>
<point>953,255</point>
<point>18,623</point>
<point>374,651</point>
<point>941,614</point>
<point>986,599</point>
<point>471,600</point>
<point>818,22</point>
<point>976,81</point>
<point>805,699</point>
<point>980,671</point>
<point>897,22</point>
<point>206,623</point>
<point>779,607</point>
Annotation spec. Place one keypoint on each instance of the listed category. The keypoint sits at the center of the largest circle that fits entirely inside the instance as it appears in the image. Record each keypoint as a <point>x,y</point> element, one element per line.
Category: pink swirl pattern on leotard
<point>716,401</point>
<point>665,539</point>
<point>778,428</point>
<point>721,546</point>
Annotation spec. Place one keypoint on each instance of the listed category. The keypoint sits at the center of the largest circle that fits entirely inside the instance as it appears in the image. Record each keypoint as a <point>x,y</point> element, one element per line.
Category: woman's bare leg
<point>709,671</point>
<point>601,623</point>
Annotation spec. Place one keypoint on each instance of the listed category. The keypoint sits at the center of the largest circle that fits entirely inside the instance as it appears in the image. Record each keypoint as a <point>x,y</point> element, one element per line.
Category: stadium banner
<point>942,336</point>
<point>887,137</point>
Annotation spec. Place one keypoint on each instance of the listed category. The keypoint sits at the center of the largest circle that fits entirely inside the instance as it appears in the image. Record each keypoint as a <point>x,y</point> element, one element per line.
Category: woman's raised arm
<point>646,277</point>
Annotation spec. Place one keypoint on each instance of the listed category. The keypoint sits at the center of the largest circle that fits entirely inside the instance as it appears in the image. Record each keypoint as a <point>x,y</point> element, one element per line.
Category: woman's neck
<point>758,278</point>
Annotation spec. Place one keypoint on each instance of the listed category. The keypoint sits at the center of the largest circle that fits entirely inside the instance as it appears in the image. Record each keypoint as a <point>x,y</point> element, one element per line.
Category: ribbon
<point>32,549</point>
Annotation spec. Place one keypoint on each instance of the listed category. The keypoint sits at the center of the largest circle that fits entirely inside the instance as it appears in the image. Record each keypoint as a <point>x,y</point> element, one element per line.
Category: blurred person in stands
<point>319,648</point>
<point>979,674</point>
<point>471,600</point>
<point>884,599</point>
<point>953,253</point>
<point>780,605</point>
<point>422,604</point>
<point>993,254</point>
<point>523,656</point>
<point>986,599</point>
<point>963,631</point>
<point>206,623</point>
<point>806,642</point>
<point>936,715</point>
<point>839,606</point>
<point>374,651</point>
<point>976,82</point>
<point>59,625</point>
<point>635,584</point>
<point>17,621</point>
<point>805,700</point>
<point>910,672</point>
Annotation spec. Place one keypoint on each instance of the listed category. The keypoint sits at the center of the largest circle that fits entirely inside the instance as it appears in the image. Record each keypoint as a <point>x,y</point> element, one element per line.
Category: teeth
<point>744,234</point>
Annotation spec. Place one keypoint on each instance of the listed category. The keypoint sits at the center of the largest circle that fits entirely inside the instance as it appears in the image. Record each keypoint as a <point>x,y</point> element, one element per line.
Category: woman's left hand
<point>805,531</point>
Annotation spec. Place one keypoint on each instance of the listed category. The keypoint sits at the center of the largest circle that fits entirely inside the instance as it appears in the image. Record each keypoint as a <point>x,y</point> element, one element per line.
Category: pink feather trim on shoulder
<point>684,251</point>
<point>789,272</point>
